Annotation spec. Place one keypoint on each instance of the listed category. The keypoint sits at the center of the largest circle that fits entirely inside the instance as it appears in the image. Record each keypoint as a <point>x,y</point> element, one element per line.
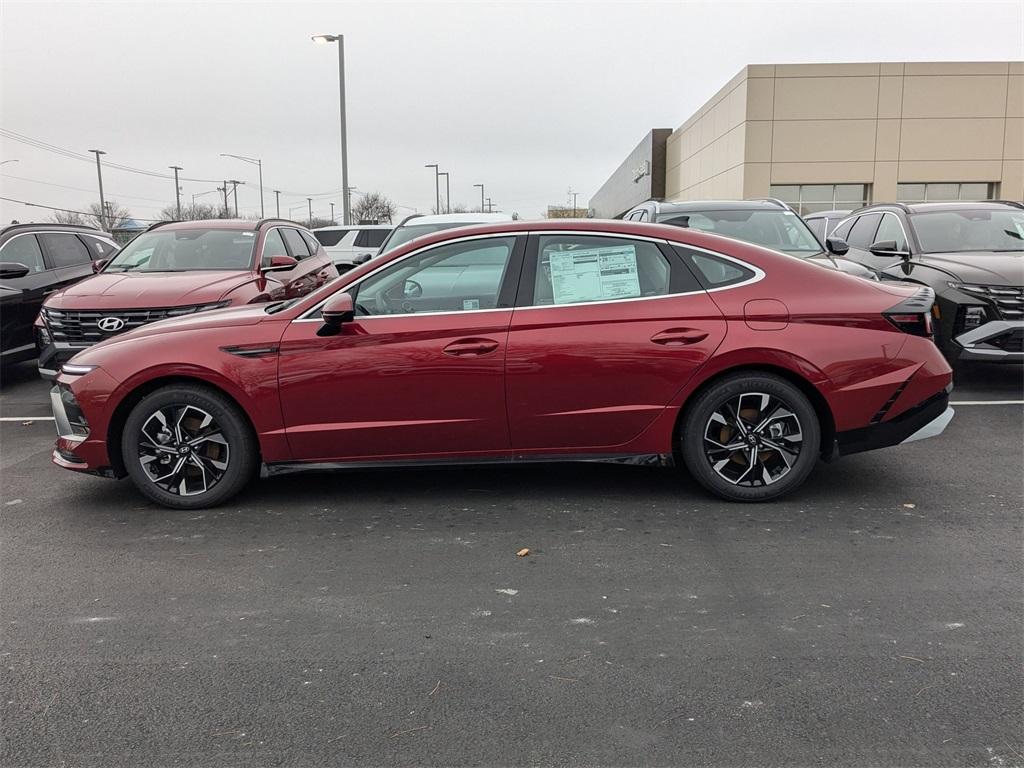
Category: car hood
<point>983,268</point>
<point>131,290</point>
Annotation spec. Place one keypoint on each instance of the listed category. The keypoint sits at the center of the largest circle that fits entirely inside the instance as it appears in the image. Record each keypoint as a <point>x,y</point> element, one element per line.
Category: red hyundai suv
<point>179,268</point>
<point>528,341</point>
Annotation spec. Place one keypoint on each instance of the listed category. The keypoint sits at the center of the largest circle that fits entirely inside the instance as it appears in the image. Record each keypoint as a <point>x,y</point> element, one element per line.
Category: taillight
<point>913,315</point>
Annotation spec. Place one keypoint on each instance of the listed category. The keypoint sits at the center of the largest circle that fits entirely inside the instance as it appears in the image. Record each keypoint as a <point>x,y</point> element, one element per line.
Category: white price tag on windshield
<point>594,274</point>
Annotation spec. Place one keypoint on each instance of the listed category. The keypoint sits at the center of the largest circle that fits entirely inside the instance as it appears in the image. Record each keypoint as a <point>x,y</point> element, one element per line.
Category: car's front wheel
<point>750,437</point>
<point>188,447</point>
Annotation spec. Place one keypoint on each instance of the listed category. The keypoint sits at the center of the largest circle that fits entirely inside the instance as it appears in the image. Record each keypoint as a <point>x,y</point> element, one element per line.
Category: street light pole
<point>99,176</point>
<point>309,201</point>
<point>340,40</point>
<point>437,187</point>
<point>332,214</point>
<point>177,189</point>
<point>277,196</point>
<point>481,196</point>
<point>488,205</point>
<point>447,192</point>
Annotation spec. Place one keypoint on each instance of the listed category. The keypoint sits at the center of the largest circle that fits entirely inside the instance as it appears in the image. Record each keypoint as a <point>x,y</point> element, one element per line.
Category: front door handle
<point>468,347</point>
<point>677,337</point>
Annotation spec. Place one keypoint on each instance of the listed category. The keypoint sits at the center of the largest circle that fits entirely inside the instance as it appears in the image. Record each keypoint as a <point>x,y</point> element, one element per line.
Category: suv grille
<point>83,326</point>
<point>1007,299</point>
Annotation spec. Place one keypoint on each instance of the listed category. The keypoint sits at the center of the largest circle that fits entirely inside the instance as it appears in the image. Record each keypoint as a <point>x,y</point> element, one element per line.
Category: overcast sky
<point>527,98</point>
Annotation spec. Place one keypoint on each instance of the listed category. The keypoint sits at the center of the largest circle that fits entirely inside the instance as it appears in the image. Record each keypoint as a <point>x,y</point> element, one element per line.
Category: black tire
<point>204,446</point>
<point>771,462</point>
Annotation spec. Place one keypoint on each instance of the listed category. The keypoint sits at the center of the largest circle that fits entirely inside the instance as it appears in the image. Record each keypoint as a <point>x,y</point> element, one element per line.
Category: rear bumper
<point>927,419</point>
<point>998,341</point>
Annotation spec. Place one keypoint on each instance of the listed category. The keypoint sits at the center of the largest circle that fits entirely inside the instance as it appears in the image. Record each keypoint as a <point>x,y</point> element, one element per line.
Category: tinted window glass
<point>817,226</point>
<point>371,238</point>
<point>312,242</point>
<point>863,233</point>
<point>575,269</point>
<point>273,245</point>
<point>459,277</point>
<point>329,237</point>
<point>65,250</point>
<point>295,242</point>
<point>715,272</point>
<point>775,228</point>
<point>890,229</point>
<point>970,230</point>
<point>843,229</point>
<point>24,250</point>
<point>99,249</point>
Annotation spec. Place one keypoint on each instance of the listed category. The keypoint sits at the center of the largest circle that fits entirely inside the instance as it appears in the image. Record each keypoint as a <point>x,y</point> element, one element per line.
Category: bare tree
<point>193,212</point>
<point>116,215</point>
<point>68,217</point>
<point>374,207</point>
<point>317,221</point>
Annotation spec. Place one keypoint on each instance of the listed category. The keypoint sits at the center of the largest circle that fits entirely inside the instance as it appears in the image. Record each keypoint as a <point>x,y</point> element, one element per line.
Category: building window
<point>944,192</point>
<point>812,198</point>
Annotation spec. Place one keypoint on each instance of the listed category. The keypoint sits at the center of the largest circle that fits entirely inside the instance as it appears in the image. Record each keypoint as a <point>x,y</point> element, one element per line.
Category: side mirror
<point>279,264</point>
<point>887,248</point>
<point>837,245</point>
<point>99,264</point>
<point>338,310</point>
<point>361,258</point>
<point>12,269</point>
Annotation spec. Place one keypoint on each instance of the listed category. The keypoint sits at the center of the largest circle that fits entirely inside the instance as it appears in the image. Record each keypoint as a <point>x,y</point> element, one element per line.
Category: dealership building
<point>824,136</point>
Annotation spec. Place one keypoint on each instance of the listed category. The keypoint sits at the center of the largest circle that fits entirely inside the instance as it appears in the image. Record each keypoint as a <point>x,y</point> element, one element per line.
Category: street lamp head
<point>98,151</point>
<point>322,39</point>
<point>430,165</point>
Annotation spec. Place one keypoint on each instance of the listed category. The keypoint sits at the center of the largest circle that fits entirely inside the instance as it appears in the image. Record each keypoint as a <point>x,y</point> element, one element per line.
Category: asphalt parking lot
<point>873,618</point>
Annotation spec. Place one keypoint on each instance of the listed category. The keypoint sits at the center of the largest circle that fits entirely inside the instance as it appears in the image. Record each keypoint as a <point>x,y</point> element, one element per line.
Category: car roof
<point>244,224</point>
<point>51,226</point>
<point>683,206</point>
<point>953,205</point>
<point>829,214</point>
<point>444,218</point>
<point>344,228</point>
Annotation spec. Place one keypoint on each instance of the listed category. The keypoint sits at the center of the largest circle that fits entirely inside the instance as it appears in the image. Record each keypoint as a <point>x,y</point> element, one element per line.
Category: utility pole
<point>332,214</point>
<point>177,189</point>
<point>437,187</point>
<point>447,192</point>
<point>574,204</point>
<point>488,205</point>
<point>481,196</point>
<point>234,190</point>
<point>99,176</point>
<point>277,196</point>
<point>309,201</point>
<point>224,189</point>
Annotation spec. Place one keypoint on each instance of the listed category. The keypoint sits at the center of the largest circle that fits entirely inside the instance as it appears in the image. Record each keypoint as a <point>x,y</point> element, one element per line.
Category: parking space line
<point>26,418</point>
<point>986,402</point>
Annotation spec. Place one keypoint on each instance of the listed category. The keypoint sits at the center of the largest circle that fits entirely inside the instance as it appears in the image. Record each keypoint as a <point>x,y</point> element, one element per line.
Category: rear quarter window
<point>714,271</point>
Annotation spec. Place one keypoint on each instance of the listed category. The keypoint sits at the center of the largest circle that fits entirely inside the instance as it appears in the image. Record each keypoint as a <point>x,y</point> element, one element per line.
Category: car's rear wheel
<point>188,447</point>
<point>750,437</point>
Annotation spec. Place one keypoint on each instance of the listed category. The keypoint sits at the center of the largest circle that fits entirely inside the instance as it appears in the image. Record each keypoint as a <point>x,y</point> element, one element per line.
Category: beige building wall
<point>877,124</point>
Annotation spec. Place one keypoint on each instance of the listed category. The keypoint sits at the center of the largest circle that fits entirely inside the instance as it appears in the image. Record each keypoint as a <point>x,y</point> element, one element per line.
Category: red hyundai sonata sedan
<point>527,341</point>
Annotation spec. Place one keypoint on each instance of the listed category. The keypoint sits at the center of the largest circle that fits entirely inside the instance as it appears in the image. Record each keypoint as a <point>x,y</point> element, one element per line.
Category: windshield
<point>403,235</point>
<point>186,250</point>
<point>969,230</point>
<point>776,229</point>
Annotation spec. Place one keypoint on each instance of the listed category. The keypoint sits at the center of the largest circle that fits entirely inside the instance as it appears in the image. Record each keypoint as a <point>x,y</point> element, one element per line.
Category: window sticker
<point>594,274</point>
<point>470,304</point>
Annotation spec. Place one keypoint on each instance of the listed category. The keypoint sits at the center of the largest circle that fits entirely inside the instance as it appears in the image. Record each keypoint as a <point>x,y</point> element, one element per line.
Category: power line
<point>83,189</point>
<point>66,210</point>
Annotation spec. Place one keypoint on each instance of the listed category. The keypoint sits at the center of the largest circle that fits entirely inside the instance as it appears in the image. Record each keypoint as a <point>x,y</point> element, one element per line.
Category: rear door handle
<point>468,347</point>
<point>677,337</point>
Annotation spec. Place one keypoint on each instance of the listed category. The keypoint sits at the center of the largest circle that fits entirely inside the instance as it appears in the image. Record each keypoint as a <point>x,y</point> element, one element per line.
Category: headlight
<point>974,317</point>
<point>71,369</point>
<point>179,311</point>
<point>44,336</point>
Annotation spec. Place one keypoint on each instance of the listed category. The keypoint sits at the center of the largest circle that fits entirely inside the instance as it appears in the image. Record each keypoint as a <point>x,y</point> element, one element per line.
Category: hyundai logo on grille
<point>110,324</point>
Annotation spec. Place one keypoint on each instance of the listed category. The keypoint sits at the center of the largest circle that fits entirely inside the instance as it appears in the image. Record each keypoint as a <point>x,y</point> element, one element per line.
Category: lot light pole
<point>177,189</point>
<point>309,202</point>
<point>437,187</point>
<point>481,196</point>
<point>99,176</point>
<point>259,164</point>
<point>277,197</point>
<point>332,214</point>
<point>447,192</point>
<point>340,40</point>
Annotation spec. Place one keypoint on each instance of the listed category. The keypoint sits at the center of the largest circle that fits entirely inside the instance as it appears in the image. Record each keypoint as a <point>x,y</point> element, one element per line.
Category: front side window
<point>65,250</point>
<point>371,238</point>
<point>24,250</point>
<point>891,229</point>
<point>457,277</point>
<point>817,226</point>
<point>774,228</point>
<point>295,243</point>
<point>970,230</point>
<point>863,233</point>
<point>576,269</point>
<point>273,245</point>
<point>186,250</point>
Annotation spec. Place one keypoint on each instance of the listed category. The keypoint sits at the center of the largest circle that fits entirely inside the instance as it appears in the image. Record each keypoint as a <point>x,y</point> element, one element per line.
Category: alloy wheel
<point>753,439</point>
<point>183,450</point>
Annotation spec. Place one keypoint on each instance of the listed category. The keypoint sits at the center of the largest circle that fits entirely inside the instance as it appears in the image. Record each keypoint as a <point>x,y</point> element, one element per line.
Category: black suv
<point>970,254</point>
<point>35,261</point>
<point>768,223</point>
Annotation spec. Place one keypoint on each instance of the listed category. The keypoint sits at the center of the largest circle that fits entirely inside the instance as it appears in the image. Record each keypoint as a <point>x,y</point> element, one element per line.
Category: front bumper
<point>53,355</point>
<point>927,419</point>
<point>998,341</point>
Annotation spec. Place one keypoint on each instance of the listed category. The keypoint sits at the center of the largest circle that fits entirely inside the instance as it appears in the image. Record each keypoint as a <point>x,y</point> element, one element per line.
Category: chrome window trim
<point>38,245</point>
<point>759,275</point>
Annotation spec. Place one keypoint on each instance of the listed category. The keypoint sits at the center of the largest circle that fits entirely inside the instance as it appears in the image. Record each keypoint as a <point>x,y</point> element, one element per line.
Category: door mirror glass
<point>99,264</point>
<point>338,310</point>
<point>278,264</point>
<point>12,269</point>
<point>837,246</point>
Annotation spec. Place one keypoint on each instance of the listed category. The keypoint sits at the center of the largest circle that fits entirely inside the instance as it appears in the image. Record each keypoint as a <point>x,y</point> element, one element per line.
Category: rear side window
<point>863,233</point>
<point>371,238</point>
<point>312,242</point>
<point>99,249</point>
<point>714,271</point>
<point>23,250</point>
<point>295,243</point>
<point>65,250</point>
<point>329,237</point>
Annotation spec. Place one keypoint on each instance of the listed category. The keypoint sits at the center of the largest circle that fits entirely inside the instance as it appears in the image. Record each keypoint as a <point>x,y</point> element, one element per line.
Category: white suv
<point>349,246</point>
<point>420,224</point>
